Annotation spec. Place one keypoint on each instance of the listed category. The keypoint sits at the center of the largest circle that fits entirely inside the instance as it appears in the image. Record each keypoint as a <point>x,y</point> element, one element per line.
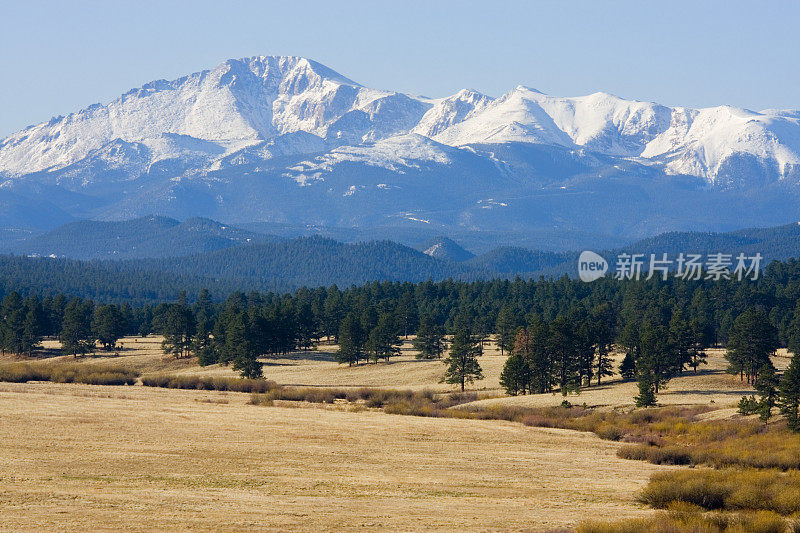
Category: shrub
<point>178,381</point>
<point>731,490</point>
<point>261,399</point>
<point>22,373</point>
<point>748,405</point>
<point>660,455</point>
<point>695,522</point>
<point>95,374</point>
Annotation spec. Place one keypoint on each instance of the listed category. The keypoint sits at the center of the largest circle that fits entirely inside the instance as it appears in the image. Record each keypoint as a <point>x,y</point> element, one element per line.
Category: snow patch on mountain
<point>452,110</point>
<point>605,123</point>
<point>514,117</point>
<point>286,145</point>
<point>397,154</point>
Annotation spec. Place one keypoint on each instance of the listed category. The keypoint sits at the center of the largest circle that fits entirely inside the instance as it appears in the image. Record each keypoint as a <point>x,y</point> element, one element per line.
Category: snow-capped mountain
<point>286,139</point>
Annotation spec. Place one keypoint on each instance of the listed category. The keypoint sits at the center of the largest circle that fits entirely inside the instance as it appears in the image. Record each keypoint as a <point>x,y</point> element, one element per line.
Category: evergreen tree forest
<point>558,333</point>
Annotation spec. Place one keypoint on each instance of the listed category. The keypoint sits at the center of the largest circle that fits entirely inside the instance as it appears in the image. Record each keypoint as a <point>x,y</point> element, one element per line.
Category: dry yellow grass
<point>93,457</point>
<point>711,386</point>
<point>307,368</point>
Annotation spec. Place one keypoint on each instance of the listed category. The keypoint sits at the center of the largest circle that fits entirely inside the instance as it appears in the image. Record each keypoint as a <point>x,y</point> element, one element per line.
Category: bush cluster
<point>95,374</point>
<point>729,490</point>
<point>172,381</point>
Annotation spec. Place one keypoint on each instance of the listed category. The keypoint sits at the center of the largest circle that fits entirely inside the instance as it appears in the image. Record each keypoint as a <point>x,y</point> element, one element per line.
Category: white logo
<point>591,266</point>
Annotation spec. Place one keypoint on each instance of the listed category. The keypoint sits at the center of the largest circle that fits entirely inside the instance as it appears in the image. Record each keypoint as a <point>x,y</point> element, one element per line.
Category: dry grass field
<point>79,457</point>
<point>317,368</point>
<point>308,368</point>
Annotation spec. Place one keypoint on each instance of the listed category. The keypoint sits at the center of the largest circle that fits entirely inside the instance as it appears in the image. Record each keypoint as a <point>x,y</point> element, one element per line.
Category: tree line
<point>559,332</point>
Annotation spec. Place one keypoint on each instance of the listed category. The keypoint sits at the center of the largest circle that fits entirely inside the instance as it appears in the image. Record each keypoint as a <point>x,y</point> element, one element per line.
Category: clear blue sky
<point>57,57</point>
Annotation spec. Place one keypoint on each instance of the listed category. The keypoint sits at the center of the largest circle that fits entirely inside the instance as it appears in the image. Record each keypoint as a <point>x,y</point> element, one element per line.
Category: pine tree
<point>505,328</point>
<point>34,325</point>
<point>701,318</point>
<point>629,340</point>
<point>146,324</point>
<point>752,341</point>
<point>333,312</point>
<point>239,347</point>
<point>383,341</point>
<point>462,362</point>
<point>585,350</point>
<point>793,333</point>
<point>178,329</point>
<point>534,344</point>
<point>789,394</point>
<point>12,323</point>
<point>697,350</point>
<point>369,319</point>
<point>627,367</point>
<point>406,313</point>
<point>658,358</point>
<point>76,328</point>
<point>516,375</point>
<point>128,320</point>
<point>604,320</point>
<point>351,341</point>
<point>767,387</point>
<point>54,309</point>
<point>681,339</point>
<point>306,325</point>
<point>108,325</point>
<point>430,340</point>
<point>647,390</point>
<point>563,346</point>
<point>202,344</point>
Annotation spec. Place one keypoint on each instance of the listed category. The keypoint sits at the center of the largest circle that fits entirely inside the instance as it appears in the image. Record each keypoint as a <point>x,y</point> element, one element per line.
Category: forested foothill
<point>152,259</point>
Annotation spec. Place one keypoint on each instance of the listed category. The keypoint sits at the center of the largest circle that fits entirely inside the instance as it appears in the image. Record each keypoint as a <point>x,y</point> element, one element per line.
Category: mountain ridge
<point>284,139</point>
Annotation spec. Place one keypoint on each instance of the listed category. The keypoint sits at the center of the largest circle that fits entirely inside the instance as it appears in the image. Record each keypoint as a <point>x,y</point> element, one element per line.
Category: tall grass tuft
<point>94,374</point>
<point>178,381</point>
<point>696,522</point>
<point>729,490</point>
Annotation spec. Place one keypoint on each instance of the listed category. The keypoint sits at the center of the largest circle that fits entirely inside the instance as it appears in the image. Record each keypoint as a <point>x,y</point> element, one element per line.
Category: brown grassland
<point>77,456</point>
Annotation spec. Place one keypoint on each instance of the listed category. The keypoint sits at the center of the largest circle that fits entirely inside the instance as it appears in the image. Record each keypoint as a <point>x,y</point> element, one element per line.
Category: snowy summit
<point>234,141</point>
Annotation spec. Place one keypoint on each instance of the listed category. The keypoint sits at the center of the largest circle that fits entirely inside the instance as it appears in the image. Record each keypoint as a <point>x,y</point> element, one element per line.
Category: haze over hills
<point>138,238</point>
<point>288,141</point>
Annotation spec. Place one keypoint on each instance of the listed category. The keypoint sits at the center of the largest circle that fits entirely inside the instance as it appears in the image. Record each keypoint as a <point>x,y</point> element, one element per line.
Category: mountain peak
<point>286,139</point>
<point>264,66</point>
<point>526,89</point>
<point>447,249</point>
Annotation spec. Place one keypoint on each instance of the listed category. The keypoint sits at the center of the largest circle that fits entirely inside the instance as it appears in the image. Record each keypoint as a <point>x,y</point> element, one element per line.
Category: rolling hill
<point>268,264</point>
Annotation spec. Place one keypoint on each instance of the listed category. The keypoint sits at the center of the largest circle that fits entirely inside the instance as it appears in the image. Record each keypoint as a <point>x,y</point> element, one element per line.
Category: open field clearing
<point>76,456</point>
<point>710,386</point>
<point>315,368</point>
<point>93,457</point>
